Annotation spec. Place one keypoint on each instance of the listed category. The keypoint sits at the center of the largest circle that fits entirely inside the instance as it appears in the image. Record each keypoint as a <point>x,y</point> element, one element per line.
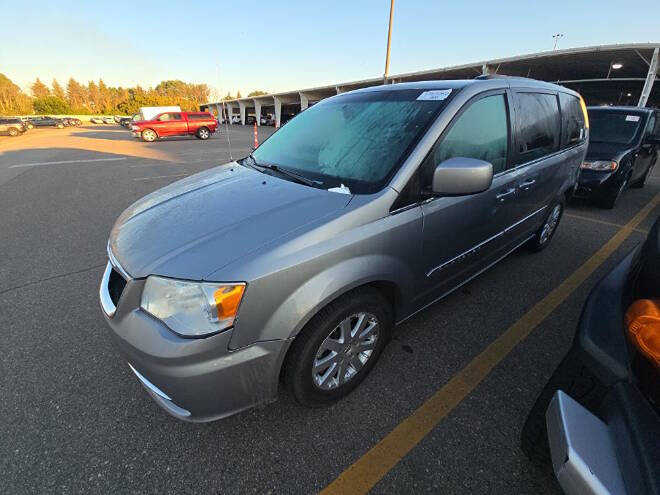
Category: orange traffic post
<point>256,136</point>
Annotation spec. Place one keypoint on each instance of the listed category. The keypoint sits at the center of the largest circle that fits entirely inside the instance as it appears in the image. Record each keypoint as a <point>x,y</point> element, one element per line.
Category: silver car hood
<point>197,225</point>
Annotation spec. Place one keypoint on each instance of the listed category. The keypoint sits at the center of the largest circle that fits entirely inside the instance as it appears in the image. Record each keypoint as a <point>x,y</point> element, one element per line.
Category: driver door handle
<point>505,194</point>
<point>525,185</point>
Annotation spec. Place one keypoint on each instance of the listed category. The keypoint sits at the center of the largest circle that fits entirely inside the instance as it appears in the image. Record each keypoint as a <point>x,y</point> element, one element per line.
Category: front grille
<point>116,285</point>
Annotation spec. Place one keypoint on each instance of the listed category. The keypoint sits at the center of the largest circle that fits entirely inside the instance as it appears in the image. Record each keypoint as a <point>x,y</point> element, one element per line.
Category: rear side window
<point>538,119</point>
<point>572,120</point>
<point>169,116</point>
<point>480,132</point>
<point>199,116</point>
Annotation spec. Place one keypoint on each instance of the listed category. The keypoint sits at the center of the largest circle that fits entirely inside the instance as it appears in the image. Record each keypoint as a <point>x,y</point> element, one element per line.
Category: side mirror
<point>460,176</point>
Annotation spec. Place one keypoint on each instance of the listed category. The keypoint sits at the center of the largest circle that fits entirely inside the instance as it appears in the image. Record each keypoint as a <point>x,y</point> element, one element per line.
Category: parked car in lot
<point>46,121</point>
<point>296,261</point>
<point>624,145</point>
<point>10,126</point>
<point>597,421</point>
<point>97,120</point>
<point>125,121</point>
<point>198,124</point>
<point>109,120</point>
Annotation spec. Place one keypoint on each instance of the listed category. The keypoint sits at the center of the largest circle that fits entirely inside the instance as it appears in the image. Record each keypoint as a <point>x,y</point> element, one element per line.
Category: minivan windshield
<point>613,126</point>
<point>358,140</point>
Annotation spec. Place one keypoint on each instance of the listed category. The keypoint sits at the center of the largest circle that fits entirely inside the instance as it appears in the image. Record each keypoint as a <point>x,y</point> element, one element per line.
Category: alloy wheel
<point>550,224</point>
<point>203,133</point>
<point>149,135</point>
<point>345,351</point>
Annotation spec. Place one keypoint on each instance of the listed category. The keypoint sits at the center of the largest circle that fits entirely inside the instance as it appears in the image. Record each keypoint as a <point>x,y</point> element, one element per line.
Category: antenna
<point>224,116</point>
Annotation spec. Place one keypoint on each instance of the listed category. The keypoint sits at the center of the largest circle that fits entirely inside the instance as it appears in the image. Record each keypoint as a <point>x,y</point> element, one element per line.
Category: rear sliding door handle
<point>505,194</point>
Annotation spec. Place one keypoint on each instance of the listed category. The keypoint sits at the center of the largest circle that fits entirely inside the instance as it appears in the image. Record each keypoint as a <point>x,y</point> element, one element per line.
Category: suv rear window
<point>538,119</point>
<point>572,120</point>
<point>199,116</point>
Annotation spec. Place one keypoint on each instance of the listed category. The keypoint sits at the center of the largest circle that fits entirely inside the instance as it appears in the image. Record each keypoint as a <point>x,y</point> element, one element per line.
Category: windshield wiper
<point>282,171</point>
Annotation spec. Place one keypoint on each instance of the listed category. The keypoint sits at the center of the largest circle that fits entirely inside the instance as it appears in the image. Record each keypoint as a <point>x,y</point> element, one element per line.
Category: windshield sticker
<point>435,95</point>
<point>632,118</point>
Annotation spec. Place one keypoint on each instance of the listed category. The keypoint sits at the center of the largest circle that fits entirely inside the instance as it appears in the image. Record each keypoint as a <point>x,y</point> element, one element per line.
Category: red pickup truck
<point>198,124</point>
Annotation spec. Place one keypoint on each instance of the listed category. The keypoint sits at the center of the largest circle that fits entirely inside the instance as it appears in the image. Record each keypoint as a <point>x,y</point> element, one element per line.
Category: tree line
<point>96,97</point>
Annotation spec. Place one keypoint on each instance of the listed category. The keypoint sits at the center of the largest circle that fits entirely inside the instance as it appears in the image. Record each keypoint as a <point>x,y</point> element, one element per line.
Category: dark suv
<point>623,148</point>
<point>12,126</point>
<point>47,122</point>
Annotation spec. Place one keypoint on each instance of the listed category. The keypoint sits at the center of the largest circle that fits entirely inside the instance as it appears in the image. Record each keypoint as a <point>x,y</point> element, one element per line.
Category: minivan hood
<point>606,151</point>
<point>197,225</point>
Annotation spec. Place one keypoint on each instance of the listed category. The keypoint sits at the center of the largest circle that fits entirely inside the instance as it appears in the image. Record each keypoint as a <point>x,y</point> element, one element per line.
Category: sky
<point>286,45</point>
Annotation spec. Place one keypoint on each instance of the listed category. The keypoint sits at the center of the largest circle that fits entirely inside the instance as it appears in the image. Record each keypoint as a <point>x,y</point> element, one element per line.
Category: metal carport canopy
<point>573,66</point>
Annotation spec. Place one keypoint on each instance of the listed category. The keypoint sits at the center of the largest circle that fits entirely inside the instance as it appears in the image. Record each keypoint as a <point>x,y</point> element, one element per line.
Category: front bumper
<point>192,379</point>
<point>581,448</point>
<point>593,183</point>
<point>618,454</point>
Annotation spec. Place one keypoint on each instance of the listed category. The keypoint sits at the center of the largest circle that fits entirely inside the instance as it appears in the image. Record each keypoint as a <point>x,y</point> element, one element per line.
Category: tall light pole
<point>556,38</point>
<point>389,41</point>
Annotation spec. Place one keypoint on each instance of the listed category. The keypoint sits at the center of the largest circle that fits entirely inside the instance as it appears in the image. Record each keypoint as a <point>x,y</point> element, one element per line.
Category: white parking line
<point>39,164</point>
<point>161,177</point>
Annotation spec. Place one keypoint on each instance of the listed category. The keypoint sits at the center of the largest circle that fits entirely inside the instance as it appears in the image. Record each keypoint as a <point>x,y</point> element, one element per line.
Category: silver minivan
<point>293,264</point>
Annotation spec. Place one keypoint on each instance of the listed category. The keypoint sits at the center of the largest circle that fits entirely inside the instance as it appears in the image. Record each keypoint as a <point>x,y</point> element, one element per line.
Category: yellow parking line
<point>362,475</point>
<point>603,222</point>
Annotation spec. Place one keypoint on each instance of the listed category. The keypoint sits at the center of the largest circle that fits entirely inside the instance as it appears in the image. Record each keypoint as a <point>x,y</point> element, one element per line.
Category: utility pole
<point>556,38</point>
<point>389,41</point>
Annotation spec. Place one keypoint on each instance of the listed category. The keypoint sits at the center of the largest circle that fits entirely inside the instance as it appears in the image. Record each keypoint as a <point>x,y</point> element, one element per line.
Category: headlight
<point>608,165</point>
<point>192,309</point>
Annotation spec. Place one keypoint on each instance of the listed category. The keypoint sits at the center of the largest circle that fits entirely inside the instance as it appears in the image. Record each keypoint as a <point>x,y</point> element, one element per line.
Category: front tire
<point>338,348</point>
<point>149,135</point>
<point>642,181</point>
<point>13,132</point>
<point>572,377</point>
<point>203,133</point>
<point>542,236</point>
<point>610,201</point>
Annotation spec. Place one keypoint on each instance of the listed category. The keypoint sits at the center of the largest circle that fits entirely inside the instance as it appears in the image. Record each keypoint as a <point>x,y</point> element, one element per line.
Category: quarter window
<point>480,132</point>
<point>538,118</point>
<point>572,120</point>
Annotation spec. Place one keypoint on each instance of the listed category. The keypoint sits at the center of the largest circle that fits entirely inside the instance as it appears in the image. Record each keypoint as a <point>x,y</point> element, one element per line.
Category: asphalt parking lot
<point>75,419</point>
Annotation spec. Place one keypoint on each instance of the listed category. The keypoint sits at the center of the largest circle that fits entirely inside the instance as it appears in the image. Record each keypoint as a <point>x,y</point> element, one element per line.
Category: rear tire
<point>543,236</point>
<point>149,135</point>
<point>203,133</point>
<point>338,348</point>
<point>13,132</point>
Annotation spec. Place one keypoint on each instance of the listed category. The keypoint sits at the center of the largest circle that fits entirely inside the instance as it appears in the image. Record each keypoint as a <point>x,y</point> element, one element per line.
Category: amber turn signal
<point>643,322</point>
<point>227,299</point>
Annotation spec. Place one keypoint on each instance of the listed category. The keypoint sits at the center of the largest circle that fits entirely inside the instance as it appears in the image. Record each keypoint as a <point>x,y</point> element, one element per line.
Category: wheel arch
<point>288,317</point>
